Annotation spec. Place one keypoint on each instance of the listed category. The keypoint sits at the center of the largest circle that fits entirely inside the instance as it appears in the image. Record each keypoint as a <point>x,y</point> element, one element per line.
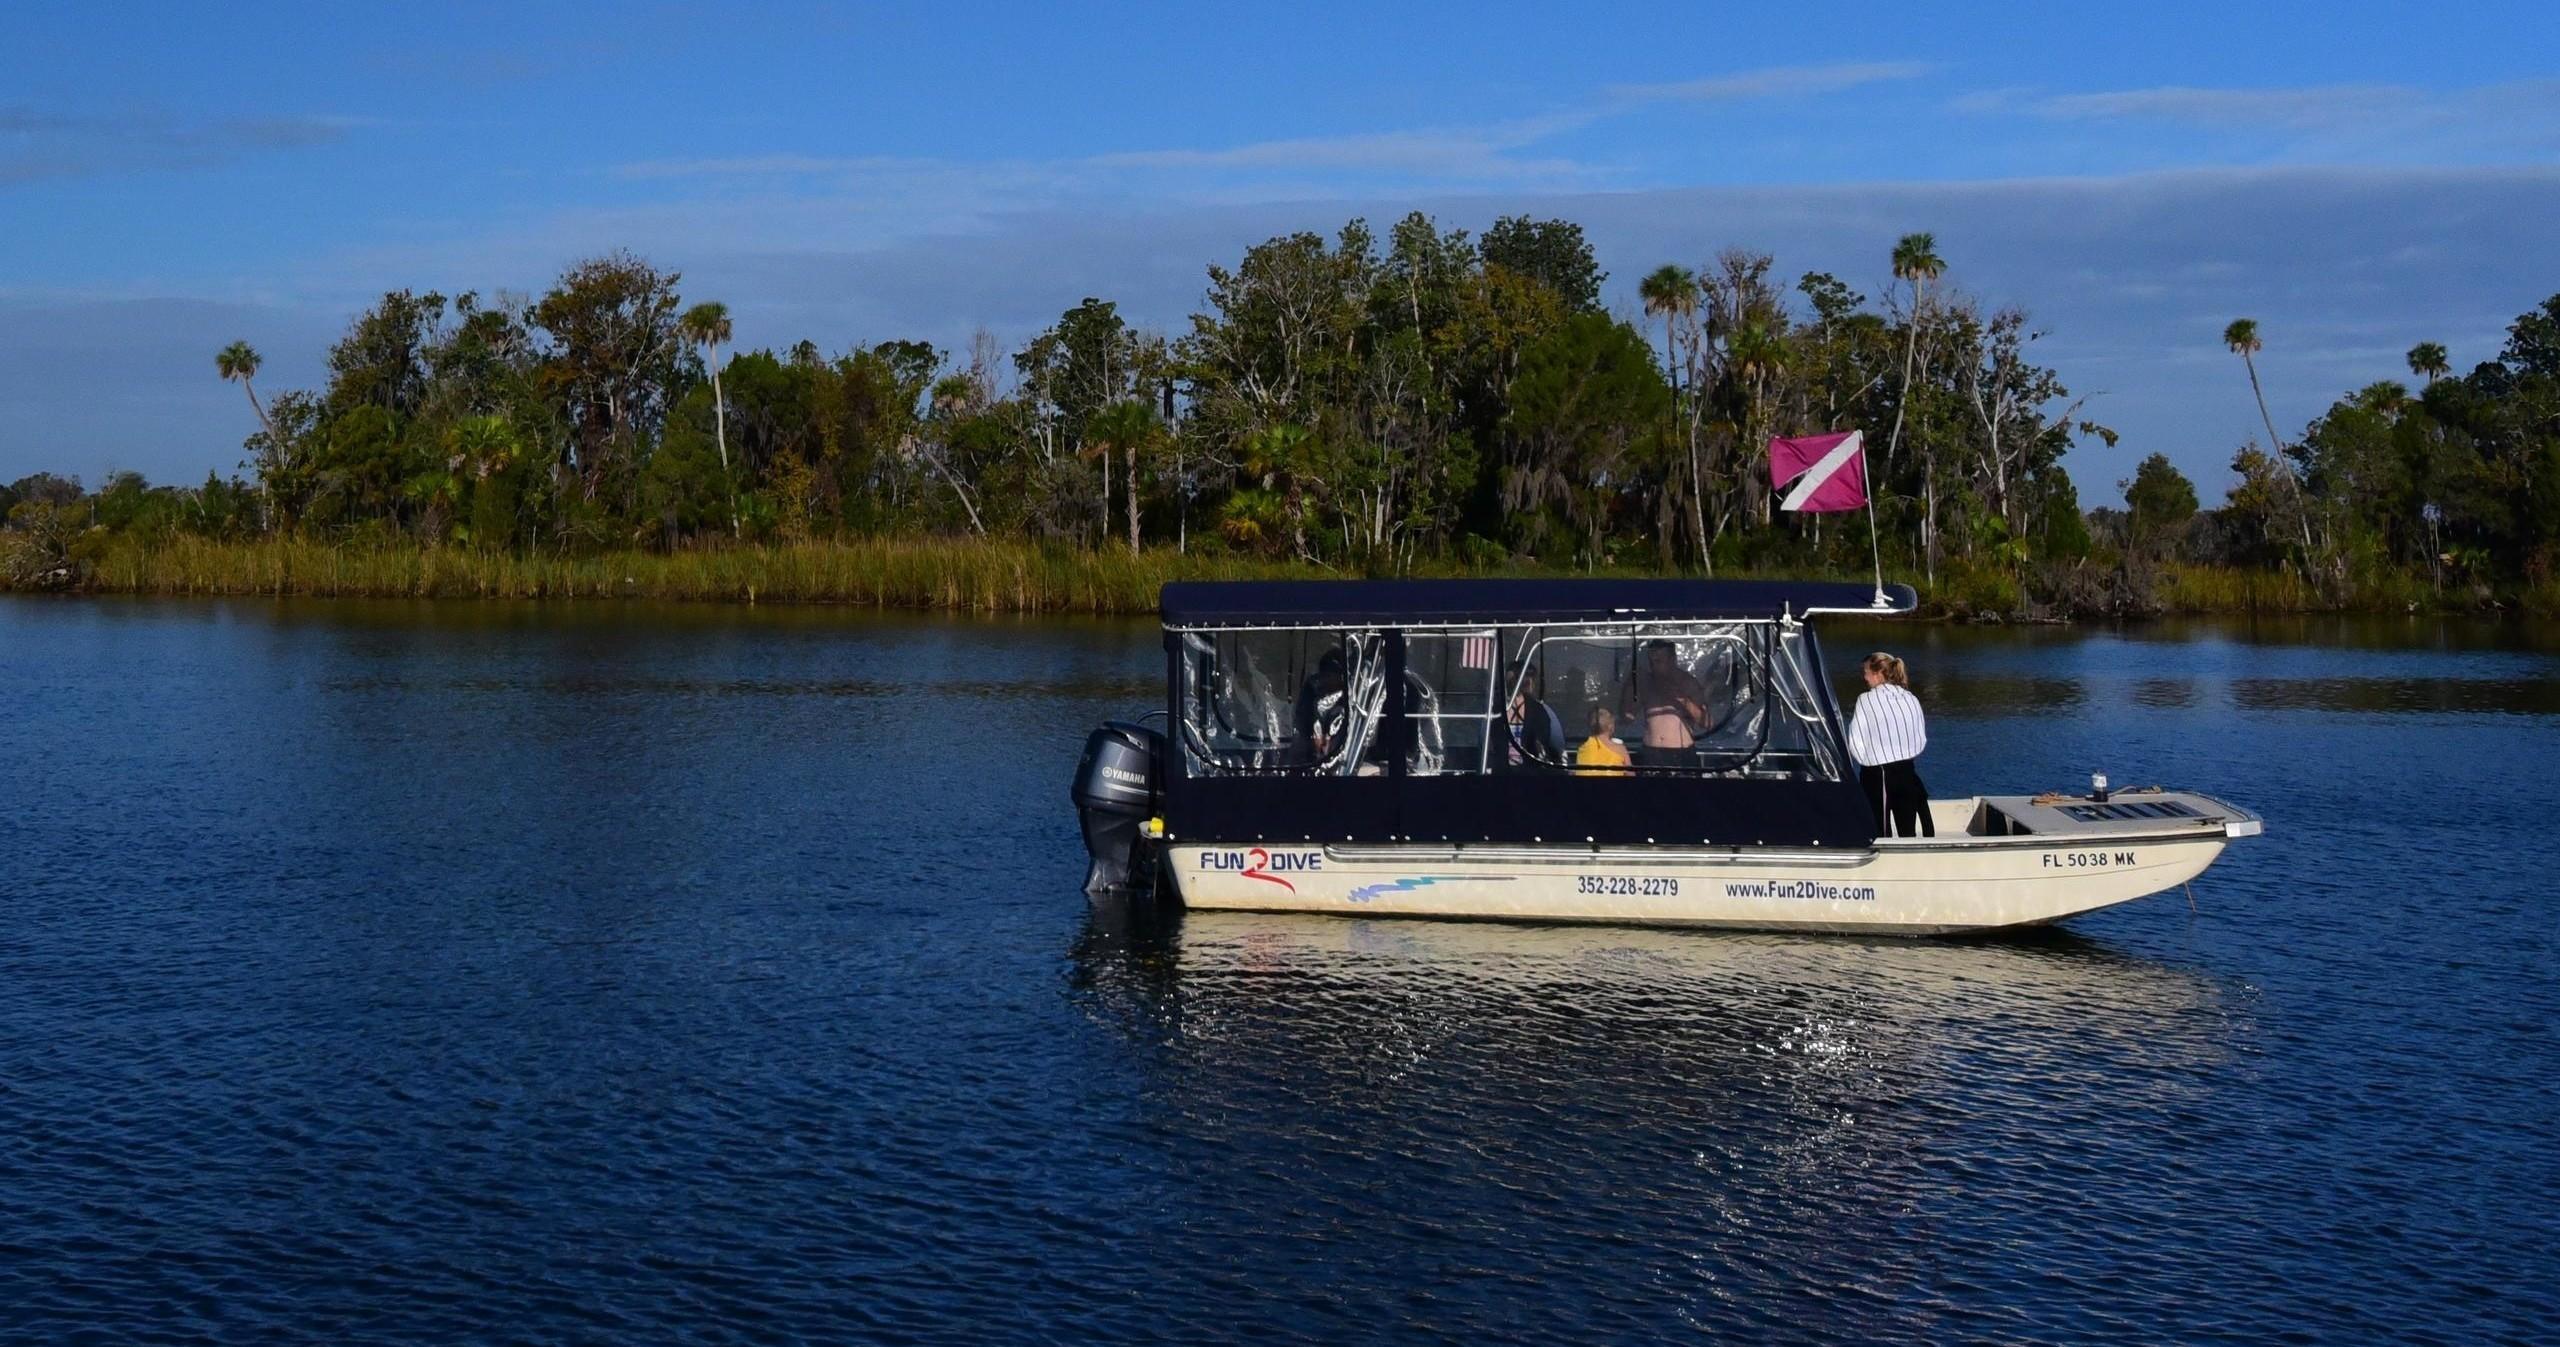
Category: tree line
<point>1364,402</point>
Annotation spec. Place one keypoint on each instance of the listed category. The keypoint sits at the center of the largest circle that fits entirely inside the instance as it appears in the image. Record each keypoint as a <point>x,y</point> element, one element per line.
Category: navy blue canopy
<point>1408,603</point>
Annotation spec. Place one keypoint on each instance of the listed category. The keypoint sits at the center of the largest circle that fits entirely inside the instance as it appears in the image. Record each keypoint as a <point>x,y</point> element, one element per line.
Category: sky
<point>2358,178</point>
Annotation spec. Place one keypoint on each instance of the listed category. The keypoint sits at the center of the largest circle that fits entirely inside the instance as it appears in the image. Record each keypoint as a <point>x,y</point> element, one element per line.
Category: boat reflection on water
<point>1802,1117</point>
<point>1152,963</point>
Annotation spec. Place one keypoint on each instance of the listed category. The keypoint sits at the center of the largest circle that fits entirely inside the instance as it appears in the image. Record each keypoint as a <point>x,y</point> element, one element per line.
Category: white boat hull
<point>1953,883</point>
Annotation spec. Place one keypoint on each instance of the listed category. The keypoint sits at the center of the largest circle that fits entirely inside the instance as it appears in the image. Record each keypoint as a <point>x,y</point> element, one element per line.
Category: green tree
<point>2257,503</point>
<point>1281,463</point>
<point>706,325</point>
<point>484,451</point>
<point>2427,360</point>
<point>681,487</point>
<point>612,369</point>
<point>2241,338</point>
<point>1553,253</point>
<point>1131,428</point>
<point>2159,497</point>
<point>1671,293</point>
<point>1916,260</point>
<point>2533,341</point>
<point>238,363</point>
<point>1587,397</point>
<point>1081,365</point>
<point>382,360</point>
<point>1759,356</point>
<point>360,467</point>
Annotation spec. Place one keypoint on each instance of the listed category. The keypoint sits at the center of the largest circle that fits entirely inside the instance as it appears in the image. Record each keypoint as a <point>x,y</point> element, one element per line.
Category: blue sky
<point>2358,178</point>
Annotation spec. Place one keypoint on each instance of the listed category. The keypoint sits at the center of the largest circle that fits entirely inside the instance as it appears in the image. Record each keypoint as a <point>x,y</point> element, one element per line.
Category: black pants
<point>1896,789</point>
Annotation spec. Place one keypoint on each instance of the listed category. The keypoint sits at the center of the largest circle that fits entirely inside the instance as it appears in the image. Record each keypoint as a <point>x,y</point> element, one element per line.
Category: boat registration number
<point>1633,886</point>
<point>2086,860</point>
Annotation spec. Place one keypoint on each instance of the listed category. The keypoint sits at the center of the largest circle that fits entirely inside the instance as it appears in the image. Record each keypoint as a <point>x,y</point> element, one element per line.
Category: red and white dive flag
<point>1829,472</point>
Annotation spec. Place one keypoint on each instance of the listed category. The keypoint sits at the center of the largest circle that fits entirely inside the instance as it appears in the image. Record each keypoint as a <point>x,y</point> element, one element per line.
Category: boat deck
<point>2147,811</point>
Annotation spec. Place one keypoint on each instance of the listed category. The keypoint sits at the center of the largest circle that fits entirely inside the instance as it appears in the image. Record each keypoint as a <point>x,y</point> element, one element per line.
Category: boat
<point>1347,747</point>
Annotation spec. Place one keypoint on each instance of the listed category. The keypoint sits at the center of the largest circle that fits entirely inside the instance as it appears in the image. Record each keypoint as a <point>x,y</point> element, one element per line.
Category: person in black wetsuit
<point>1322,713</point>
<point>1532,731</point>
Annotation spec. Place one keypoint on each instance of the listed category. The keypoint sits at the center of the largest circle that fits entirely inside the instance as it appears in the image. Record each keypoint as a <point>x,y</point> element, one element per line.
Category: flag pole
<point>1875,550</point>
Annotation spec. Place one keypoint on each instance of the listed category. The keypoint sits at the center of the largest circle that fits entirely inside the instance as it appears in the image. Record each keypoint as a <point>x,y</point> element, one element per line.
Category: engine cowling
<point>1119,785</point>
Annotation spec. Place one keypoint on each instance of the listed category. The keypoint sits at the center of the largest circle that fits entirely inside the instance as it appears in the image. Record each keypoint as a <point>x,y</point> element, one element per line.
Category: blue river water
<point>457,973</point>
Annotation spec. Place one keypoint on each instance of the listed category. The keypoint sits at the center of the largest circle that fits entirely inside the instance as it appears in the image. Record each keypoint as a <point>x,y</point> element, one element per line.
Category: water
<point>410,973</point>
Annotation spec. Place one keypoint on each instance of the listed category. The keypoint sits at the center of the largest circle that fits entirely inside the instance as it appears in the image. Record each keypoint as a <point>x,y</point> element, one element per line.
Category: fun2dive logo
<point>1262,864</point>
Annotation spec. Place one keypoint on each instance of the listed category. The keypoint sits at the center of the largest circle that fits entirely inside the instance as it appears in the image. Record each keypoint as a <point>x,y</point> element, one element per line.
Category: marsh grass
<point>2222,589</point>
<point>994,576</point>
<point>955,574</point>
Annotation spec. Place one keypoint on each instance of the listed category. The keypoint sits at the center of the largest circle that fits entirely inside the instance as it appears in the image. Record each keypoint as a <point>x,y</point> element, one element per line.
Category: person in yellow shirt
<point>1602,754</point>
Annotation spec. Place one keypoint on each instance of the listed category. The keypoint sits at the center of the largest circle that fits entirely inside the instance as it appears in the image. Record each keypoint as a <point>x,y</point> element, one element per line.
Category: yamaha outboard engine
<point>1118,787</point>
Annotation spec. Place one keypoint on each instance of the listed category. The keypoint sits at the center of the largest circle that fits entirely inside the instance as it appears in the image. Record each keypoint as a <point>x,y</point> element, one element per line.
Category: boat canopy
<point>1460,711</point>
<point>1197,604</point>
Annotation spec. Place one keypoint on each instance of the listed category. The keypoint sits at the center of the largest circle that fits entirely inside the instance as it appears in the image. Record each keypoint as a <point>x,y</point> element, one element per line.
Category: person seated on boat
<point>1886,735</point>
<point>1532,731</point>
<point>1670,701</point>
<point>1322,713</point>
<point>1602,754</point>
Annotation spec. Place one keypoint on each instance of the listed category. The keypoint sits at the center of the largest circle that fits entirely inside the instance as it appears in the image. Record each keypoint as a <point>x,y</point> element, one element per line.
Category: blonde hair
<point>1888,667</point>
<point>1603,720</point>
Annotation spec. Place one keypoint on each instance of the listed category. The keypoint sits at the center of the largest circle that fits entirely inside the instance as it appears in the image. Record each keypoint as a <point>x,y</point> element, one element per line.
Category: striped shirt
<point>1886,726</point>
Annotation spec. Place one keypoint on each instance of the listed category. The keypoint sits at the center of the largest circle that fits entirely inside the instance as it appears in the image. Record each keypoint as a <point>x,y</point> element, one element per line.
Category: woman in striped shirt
<point>1886,733</point>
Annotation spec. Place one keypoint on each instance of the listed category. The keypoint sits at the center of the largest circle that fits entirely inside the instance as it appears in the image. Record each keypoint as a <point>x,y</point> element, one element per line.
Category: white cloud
<point>36,144</point>
<point>1483,156</point>
<point>1772,82</point>
<point>1425,158</point>
<point>2314,108</point>
<point>765,166</point>
<point>2338,122</point>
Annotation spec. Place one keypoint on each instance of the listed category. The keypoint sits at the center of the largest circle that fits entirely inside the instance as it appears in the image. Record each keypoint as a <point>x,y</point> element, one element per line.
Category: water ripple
<point>399,973</point>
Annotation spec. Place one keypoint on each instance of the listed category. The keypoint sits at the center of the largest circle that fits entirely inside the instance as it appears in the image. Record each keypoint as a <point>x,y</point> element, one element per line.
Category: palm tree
<point>2427,360</point>
<point>1128,427</point>
<point>1671,293</point>
<point>2389,397</point>
<point>1759,354</point>
<point>1915,259</point>
<point>955,398</point>
<point>239,362</point>
<point>1276,454</point>
<point>707,326</point>
<point>2241,337</point>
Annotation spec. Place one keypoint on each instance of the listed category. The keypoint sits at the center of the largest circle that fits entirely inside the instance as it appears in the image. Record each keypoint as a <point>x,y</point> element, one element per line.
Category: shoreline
<point>1004,577</point>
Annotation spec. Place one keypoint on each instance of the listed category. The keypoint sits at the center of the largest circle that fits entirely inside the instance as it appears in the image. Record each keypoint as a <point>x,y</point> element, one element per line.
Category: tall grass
<point>966,575</point>
<point>997,576</point>
<point>2224,589</point>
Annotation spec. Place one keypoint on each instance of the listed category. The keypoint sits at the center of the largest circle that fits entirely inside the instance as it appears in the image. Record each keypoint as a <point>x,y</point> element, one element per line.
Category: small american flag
<point>1476,652</point>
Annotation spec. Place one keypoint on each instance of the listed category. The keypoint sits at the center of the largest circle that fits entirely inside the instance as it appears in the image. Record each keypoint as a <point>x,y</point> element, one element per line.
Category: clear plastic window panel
<point>1449,689</point>
<point>1720,699</point>
<point>1804,734</point>
<point>1283,703</point>
<point>1737,699</point>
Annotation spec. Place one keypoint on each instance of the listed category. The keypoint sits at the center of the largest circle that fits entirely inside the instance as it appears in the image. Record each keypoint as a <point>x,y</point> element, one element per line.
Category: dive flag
<point>1829,472</point>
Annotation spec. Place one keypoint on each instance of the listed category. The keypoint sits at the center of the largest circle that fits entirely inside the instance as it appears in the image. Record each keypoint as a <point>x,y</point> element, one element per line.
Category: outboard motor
<point>1118,786</point>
